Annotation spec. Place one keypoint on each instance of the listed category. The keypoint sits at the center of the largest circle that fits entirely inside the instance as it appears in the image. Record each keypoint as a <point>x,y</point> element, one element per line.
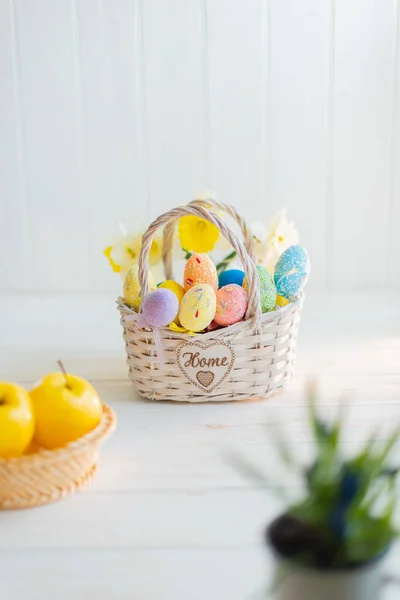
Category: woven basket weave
<point>51,475</point>
<point>262,346</point>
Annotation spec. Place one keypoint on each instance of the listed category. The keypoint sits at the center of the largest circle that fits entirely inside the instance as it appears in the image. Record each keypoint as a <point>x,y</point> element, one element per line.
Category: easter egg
<point>197,308</point>
<point>213,326</point>
<point>267,289</point>
<point>200,269</point>
<point>160,307</point>
<point>291,272</point>
<point>231,276</point>
<point>175,287</point>
<point>132,292</point>
<point>231,305</point>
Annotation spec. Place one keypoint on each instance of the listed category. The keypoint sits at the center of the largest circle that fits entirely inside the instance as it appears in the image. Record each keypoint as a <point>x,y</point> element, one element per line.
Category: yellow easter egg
<point>132,292</point>
<point>281,301</point>
<point>200,269</point>
<point>178,290</point>
<point>197,308</point>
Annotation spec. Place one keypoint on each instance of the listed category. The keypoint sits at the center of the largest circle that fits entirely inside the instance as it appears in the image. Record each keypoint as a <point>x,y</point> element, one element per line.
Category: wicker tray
<point>51,475</point>
<point>259,351</point>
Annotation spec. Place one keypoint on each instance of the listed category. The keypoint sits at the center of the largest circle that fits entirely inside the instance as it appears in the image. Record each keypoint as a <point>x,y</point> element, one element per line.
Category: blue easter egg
<point>231,276</point>
<point>291,272</point>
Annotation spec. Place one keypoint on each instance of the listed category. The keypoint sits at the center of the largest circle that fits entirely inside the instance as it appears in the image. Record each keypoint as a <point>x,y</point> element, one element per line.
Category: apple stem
<point>2,401</point>
<point>64,372</point>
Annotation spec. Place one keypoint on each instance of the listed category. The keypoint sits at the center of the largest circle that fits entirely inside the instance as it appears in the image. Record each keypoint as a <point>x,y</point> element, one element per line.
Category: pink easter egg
<point>160,307</point>
<point>231,305</point>
<point>213,326</point>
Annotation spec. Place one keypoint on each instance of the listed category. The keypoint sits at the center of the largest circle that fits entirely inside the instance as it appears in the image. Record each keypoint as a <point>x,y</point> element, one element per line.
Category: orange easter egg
<point>200,269</point>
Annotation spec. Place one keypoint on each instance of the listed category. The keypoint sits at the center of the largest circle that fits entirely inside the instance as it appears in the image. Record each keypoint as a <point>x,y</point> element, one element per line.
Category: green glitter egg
<point>267,289</point>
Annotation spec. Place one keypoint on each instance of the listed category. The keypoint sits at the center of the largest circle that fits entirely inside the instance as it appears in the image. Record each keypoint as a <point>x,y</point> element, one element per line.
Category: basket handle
<point>208,204</point>
<point>254,305</point>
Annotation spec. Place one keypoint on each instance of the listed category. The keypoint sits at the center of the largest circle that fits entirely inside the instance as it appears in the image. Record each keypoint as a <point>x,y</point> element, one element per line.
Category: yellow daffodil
<point>196,234</point>
<point>124,251</point>
<point>155,254</point>
<point>178,329</point>
<point>271,241</point>
<point>107,253</point>
<point>222,243</point>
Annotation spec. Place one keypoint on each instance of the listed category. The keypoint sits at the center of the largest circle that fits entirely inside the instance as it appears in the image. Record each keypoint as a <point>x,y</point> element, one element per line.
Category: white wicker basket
<point>250,359</point>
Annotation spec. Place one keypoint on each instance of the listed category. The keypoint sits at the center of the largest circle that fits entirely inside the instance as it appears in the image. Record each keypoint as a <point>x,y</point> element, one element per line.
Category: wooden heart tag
<point>205,365</point>
<point>205,378</point>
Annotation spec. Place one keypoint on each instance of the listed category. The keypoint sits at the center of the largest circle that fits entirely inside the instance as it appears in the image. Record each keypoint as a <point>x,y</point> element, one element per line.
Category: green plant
<point>346,516</point>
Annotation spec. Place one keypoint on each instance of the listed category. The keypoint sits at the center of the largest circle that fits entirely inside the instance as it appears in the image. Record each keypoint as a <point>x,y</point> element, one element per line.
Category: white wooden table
<point>167,517</point>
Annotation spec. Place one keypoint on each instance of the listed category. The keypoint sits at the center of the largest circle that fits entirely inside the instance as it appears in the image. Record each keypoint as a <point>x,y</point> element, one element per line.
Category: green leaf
<point>388,447</point>
<point>223,265</point>
<point>309,511</point>
<point>327,436</point>
<point>360,459</point>
<point>251,471</point>
<point>368,538</point>
<point>282,447</point>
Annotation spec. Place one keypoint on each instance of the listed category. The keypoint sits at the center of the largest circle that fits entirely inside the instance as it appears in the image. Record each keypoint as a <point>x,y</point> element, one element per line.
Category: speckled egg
<point>132,294</point>
<point>291,272</point>
<point>200,269</point>
<point>197,308</point>
<point>231,276</point>
<point>231,305</point>
<point>267,289</point>
<point>160,307</point>
<point>213,326</point>
<point>176,288</point>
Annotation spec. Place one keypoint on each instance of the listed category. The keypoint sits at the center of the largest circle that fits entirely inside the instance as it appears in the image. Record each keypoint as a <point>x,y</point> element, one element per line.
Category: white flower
<point>259,231</point>
<point>282,233</point>
<point>207,195</point>
<point>124,251</point>
<point>271,241</point>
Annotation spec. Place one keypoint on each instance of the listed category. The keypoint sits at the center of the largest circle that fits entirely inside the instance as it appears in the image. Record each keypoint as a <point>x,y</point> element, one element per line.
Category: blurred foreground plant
<point>347,514</point>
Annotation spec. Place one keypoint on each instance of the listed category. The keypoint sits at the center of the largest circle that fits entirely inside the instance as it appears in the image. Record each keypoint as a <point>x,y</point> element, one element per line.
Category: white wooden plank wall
<point>364,74</point>
<point>299,127</point>
<point>116,110</point>
<point>237,74</point>
<point>174,119</point>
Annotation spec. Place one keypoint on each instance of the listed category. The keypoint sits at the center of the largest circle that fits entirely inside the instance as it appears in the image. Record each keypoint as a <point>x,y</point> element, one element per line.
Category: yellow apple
<point>66,408</point>
<point>16,420</point>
